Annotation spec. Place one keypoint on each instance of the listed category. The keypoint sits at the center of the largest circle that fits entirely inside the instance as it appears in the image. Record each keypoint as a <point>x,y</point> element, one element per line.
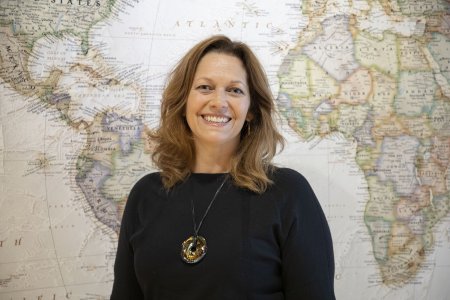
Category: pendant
<point>193,249</point>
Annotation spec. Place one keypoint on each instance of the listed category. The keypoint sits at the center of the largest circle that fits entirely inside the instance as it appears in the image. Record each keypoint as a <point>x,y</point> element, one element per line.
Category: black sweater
<point>271,246</point>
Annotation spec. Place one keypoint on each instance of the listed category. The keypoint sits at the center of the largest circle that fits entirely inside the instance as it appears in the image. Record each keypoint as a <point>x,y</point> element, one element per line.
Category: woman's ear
<point>249,116</point>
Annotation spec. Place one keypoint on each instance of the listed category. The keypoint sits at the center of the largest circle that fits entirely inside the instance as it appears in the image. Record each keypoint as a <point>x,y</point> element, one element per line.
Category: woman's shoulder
<point>291,185</point>
<point>147,184</point>
<point>148,180</point>
<point>282,176</point>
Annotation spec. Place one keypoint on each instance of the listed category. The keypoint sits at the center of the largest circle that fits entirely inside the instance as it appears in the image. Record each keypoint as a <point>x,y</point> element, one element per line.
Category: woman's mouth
<point>216,119</point>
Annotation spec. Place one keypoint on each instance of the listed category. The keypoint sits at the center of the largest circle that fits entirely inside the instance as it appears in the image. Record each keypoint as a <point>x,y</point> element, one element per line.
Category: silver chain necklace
<point>193,249</point>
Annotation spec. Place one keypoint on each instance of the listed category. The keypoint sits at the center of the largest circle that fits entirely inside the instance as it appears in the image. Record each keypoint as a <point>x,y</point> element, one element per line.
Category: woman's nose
<point>220,99</point>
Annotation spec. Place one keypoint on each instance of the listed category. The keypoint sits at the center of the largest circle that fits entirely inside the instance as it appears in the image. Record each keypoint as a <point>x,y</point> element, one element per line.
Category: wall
<point>362,88</point>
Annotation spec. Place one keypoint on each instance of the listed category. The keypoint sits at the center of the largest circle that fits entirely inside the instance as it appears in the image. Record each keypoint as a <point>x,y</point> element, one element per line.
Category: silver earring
<point>248,128</point>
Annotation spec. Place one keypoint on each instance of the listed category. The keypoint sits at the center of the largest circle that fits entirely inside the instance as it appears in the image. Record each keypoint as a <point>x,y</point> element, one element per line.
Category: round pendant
<point>193,249</point>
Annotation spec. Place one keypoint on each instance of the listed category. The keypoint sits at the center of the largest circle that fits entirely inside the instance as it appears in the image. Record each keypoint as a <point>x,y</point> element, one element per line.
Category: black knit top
<point>271,246</point>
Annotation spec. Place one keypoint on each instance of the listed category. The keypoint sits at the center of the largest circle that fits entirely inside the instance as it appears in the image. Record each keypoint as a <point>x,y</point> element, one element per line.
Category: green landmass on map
<point>390,95</point>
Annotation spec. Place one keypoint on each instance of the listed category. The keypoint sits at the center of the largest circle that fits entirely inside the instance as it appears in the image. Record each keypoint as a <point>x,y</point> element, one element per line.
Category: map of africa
<point>363,93</point>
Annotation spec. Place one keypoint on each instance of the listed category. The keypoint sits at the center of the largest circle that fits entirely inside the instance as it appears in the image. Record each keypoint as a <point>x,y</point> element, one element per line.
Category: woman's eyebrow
<point>239,81</point>
<point>232,81</point>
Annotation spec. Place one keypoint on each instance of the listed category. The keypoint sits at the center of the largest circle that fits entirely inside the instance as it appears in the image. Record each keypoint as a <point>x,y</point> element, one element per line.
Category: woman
<point>219,221</point>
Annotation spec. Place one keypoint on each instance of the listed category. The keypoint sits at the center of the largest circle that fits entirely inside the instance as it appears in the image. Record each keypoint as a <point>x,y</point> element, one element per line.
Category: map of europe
<point>362,88</point>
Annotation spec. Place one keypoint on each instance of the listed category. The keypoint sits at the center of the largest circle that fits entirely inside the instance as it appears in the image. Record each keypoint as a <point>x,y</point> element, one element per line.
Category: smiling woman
<point>216,109</point>
<point>220,221</point>
<point>217,68</point>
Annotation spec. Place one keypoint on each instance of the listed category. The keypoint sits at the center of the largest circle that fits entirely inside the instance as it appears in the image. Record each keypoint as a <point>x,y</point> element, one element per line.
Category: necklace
<point>193,249</point>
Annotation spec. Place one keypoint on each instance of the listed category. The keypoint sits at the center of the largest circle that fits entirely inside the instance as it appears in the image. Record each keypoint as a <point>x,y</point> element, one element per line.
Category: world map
<point>362,88</point>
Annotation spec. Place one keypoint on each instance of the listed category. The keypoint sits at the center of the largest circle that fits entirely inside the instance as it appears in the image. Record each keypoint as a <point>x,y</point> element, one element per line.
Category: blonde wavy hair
<point>174,153</point>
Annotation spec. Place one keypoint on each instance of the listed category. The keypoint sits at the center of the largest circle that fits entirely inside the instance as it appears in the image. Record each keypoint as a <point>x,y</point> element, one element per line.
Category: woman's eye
<point>204,87</point>
<point>237,91</point>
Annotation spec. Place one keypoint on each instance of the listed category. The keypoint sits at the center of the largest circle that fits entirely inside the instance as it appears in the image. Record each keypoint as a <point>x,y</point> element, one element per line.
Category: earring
<point>248,128</point>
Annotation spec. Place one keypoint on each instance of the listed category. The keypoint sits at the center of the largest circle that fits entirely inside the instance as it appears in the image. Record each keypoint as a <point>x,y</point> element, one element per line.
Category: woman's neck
<point>212,159</point>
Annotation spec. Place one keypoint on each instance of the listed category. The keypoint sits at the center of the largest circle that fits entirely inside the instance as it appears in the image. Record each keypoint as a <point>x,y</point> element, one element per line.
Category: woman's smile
<point>216,120</point>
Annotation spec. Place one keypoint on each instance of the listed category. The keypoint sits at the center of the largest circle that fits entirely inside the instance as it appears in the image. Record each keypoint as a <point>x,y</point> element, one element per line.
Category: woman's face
<point>218,102</point>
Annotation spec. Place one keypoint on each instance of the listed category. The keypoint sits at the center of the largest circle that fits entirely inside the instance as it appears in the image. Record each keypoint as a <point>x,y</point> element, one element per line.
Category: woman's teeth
<point>216,119</point>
